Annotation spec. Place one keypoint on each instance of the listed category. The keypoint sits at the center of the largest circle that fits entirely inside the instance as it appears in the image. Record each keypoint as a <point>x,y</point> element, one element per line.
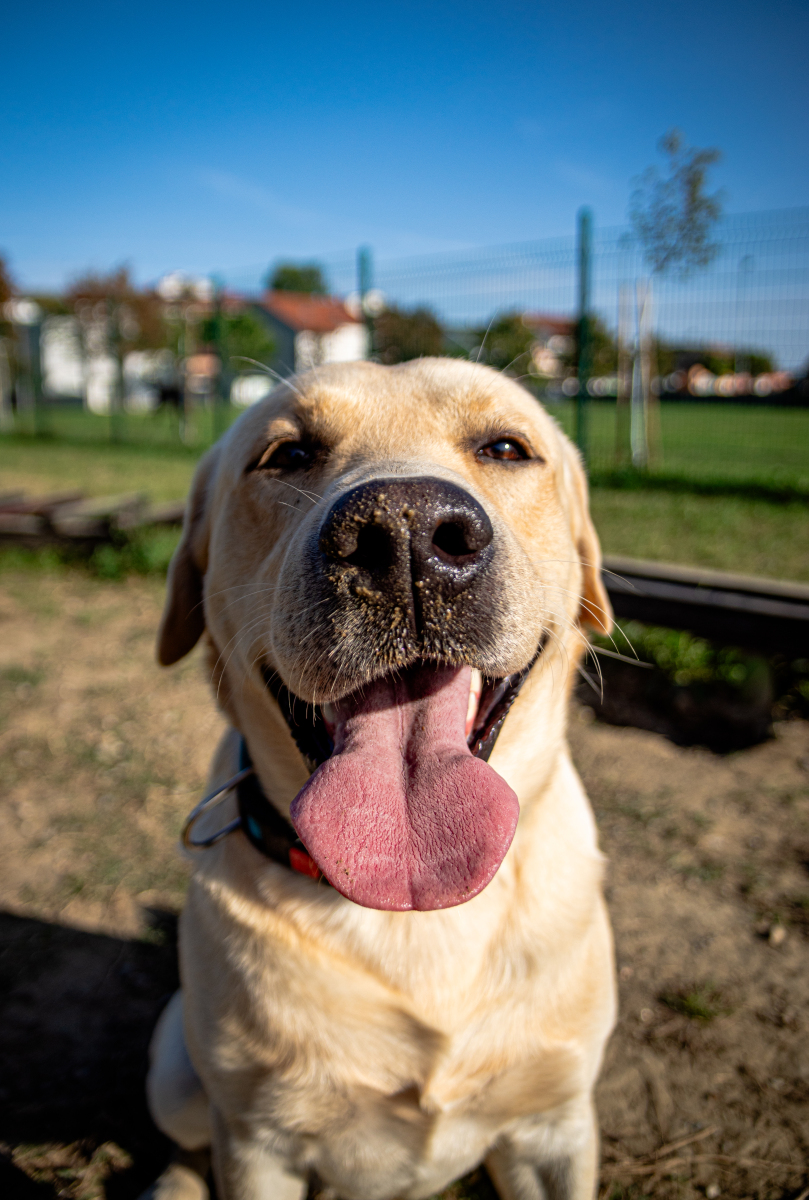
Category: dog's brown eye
<point>290,456</point>
<point>504,450</point>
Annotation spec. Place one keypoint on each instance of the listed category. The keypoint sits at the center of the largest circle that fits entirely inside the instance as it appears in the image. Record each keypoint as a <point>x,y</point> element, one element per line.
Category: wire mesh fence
<point>702,376</point>
<point>753,295</point>
<point>729,342</point>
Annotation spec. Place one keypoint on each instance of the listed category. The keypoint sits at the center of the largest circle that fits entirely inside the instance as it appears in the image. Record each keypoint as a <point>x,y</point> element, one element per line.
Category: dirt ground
<point>705,1091</point>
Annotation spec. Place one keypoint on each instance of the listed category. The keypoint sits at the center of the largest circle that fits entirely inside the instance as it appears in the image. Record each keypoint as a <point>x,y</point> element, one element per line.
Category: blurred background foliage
<point>400,336</point>
<point>306,278</point>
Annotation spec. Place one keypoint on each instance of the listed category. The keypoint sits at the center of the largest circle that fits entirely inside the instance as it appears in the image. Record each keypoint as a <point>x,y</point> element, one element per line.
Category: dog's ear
<point>183,620</point>
<point>595,611</point>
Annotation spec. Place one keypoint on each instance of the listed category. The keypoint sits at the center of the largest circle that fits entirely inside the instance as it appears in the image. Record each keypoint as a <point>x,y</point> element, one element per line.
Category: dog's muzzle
<point>413,543</point>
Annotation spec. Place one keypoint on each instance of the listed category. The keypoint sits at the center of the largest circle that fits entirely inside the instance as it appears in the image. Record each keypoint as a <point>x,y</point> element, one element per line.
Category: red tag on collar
<point>303,863</point>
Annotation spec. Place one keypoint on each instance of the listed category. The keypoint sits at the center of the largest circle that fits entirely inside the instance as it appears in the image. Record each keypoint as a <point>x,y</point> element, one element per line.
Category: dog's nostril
<point>451,539</point>
<point>373,550</point>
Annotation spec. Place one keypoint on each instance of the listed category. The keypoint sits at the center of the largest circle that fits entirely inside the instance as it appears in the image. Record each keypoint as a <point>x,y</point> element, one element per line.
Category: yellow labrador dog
<point>397,963</point>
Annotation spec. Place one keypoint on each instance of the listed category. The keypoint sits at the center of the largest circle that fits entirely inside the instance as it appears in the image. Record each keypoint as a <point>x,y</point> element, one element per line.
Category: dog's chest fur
<point>339,1022</point>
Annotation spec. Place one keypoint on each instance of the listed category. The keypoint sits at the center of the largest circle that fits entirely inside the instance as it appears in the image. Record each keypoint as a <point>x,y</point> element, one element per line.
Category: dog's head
<point>384,552</point>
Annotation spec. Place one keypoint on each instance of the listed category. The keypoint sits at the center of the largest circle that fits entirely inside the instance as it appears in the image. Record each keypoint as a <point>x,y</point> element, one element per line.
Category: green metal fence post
<point>584,347</point>
<point>117,393</point>
<point>364,285</point>
<point>221,392</point>
<point>34,333</point>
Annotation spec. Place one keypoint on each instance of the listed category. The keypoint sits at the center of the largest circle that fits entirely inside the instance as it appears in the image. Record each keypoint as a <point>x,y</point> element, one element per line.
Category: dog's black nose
<point>404,537</point>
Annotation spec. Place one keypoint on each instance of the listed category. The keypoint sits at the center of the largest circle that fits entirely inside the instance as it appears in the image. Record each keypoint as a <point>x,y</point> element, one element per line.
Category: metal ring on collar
<point>204,805</point>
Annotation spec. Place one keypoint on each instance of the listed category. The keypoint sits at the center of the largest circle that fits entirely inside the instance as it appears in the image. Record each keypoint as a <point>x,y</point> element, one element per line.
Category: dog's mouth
<point>402,810</point>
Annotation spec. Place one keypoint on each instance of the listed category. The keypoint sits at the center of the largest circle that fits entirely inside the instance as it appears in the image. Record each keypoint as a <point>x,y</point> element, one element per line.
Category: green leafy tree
<point>400,336</point>
<point>759,364</point>
<point>677,358</point>
<point>506,344</point>
<point>238,337</point>
<point>603,349</point>
<point>673,215</point>
<point>298,277</point>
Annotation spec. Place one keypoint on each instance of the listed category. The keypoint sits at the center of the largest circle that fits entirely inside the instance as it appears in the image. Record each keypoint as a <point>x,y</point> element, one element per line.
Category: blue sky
<point>208,138</point>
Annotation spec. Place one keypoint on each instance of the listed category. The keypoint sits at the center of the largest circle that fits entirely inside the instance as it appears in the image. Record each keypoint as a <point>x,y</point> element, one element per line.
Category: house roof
<point>548,324</point>
<point>299,310</point>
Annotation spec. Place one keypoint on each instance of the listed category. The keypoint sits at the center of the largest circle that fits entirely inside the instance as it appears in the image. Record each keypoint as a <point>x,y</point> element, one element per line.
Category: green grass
<point>701,1002</point>
<point>163,429</point>
<point>99,469</point>
<point>144,551</point>
<point>735,444</point>
<point>739,533</point>
<point>725,533</point>
<point>706,444</point>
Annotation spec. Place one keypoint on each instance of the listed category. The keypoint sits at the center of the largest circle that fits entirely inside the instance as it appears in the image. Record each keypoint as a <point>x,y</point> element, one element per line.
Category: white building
<point>310,330</point>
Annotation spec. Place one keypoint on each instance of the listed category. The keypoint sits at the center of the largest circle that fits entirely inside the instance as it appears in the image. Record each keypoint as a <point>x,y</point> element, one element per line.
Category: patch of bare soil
<point>706,1085</point>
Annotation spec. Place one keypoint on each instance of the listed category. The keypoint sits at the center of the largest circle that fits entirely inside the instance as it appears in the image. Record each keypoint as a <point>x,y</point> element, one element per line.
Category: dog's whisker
<point>517,357</point>
<point>599,691</point>
<point>235,639</point>
<point>286,380</point>
<point>308,495</point>
<point>486,334</point>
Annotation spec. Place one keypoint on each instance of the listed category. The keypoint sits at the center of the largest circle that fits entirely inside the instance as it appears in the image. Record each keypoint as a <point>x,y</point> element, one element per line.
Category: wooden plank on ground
<point>769,615</point>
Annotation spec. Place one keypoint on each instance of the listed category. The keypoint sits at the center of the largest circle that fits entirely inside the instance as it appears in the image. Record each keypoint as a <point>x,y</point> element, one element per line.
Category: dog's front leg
<point>246,1170</point>
<point>538,1162</point>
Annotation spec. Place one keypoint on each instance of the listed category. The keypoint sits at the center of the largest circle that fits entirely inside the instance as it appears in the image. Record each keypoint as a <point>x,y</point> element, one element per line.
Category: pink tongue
<point>402,815</point>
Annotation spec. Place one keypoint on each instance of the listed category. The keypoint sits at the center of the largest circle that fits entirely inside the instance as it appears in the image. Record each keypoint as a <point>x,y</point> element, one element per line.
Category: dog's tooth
<point>475,689</point>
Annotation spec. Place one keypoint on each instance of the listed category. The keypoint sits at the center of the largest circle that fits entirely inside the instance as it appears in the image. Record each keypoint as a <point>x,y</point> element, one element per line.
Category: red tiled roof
<point>299,310</point>
<point>549,324</point>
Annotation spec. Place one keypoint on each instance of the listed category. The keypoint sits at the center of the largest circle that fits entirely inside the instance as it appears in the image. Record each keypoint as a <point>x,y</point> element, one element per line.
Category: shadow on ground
<point>76,1013</point>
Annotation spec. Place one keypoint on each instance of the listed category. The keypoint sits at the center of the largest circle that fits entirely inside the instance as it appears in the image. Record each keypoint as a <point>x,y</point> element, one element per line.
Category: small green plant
<point>707,872</point>
<point>73,885</point>
<point>14,675</point>
<point>686,659</point>
<point>144,551</point>
<point>701,1002</point>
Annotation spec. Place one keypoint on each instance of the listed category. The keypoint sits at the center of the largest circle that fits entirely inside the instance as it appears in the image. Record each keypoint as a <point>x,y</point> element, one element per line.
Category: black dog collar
<point>265,827</point>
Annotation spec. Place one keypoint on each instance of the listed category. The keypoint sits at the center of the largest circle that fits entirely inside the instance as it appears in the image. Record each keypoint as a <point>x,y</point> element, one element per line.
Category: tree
<point>506,344</point>
<point>671,357</point>
<point>239,337</point>
<point>139,315</point>
<point>603,348</point>
<point>673,216</point>
<point>298,277</point>
<point>6,292</point>
<point>400,336</point>
<point>6,285</point>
